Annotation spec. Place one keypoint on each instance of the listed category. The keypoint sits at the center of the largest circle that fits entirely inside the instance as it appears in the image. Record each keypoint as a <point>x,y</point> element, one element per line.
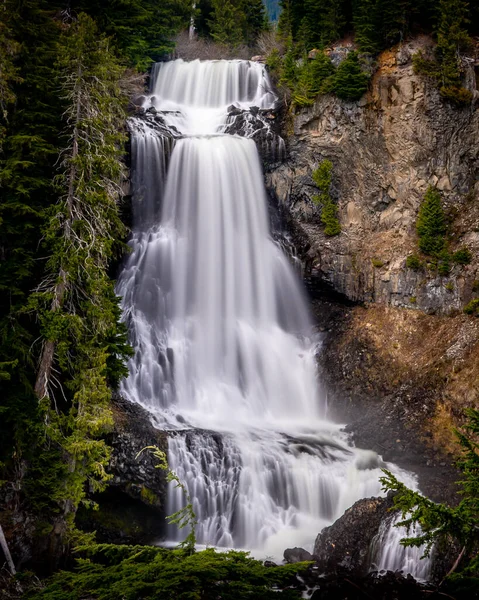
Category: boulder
<point>295,555</point>
<point>345,545</point>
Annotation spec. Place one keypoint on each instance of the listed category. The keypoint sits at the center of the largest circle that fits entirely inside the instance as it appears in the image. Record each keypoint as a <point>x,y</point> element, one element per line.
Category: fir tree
<point>227,23</point>
<point>452,39</point>
<point>323,177</point>
<point>322,23</point>
<point>431,224</point>
<point>75,303</point>
<point>350,81</point>
<point>365,26</point>
<point>255,16</point>
<point>439,522</point>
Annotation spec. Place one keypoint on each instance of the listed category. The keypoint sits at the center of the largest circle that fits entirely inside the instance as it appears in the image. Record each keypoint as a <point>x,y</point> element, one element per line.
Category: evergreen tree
<point>350,81</point>
<point>75,303</point>
<point>321,69</point>
<point>322,23</point>
<point>285,23</point>
<point>9,48</point>
<point>255,19</point>
<point>227,23</point>
<point>141,30</point>
<point>431,224</point>
<point>452,39</point>
<point>365,26</point>
<point>27,166</point>
<point>439,522</point>
<point>323,177</point>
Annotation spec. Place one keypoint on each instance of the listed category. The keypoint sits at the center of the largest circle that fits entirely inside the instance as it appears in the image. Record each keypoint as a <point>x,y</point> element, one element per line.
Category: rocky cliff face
<point>386,150</point>
<point>400,360</point>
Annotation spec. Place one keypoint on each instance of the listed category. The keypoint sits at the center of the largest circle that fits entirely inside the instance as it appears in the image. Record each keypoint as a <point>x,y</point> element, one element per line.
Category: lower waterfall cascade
<point>225,351</point>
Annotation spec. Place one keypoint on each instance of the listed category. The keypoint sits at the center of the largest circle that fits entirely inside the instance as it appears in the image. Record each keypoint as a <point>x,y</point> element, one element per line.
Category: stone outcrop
<point>132,510</point>
<point>346,546</point>
<point>386,150</point>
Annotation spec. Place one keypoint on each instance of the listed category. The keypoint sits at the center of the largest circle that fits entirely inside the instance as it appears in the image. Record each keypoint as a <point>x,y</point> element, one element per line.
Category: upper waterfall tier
<point>212,84</point>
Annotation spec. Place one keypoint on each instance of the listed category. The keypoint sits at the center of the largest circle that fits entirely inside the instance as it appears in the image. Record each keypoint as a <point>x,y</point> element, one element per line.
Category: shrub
<point>377,263</point>
<point>472,308</point>
<point>413,262</point>
<point>449,286</point>
<point>350,81</point>
<point>431,224</point>
<point>151,573</point>
<point>444,265</point>
<point>458,95</point>
<point>462,256</point>
<point>322,177</point>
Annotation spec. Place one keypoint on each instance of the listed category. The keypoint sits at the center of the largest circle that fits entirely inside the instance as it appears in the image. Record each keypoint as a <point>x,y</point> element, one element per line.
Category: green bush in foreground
<point>109,572</point>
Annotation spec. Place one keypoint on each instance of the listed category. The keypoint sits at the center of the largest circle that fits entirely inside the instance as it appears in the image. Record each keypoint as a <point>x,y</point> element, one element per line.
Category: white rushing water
<point>224,347</point>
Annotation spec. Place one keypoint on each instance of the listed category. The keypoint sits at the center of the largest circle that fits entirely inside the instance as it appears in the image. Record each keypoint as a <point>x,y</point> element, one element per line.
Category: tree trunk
<point>48,352</point>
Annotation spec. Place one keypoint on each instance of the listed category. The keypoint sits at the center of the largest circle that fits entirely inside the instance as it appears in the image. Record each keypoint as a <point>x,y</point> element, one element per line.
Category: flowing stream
<point>224,346</point>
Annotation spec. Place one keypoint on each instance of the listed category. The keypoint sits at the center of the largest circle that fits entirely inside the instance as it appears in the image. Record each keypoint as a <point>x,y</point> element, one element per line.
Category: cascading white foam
<point>224,349</point>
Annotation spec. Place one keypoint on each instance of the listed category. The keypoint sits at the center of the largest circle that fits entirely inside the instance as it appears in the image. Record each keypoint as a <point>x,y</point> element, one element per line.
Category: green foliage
<point>323,22</point>
<point>312,78</point>
<point>472,308</point>
<point>462,256</point>
<point>322,177</point>
<point>108,572</point>
<point>350,81</point>
<point>235,22</point>
<point>413,262</point>
<point>226,25</point>
<point>440,522</point>
<point>76,307</point>
<point>431,224</point>
<point>141,30</point>
<point>452,39</point>
<point>377,263</point>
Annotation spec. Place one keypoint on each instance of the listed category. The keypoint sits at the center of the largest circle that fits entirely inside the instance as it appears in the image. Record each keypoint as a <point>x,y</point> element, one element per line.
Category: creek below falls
<point>225,350</point>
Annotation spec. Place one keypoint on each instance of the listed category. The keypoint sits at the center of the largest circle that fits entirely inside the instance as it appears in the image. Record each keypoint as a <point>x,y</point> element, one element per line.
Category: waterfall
<point>224,346</point>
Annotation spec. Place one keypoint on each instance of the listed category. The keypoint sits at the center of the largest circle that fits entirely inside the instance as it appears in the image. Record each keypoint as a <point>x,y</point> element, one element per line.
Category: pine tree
<point>27,166</point>
<point>227,23</point>
<point>350,81</point>
<point>255,16</point>
<point>323,177</point>
<point>441,523</point>
<point>431,224</point>
<point>141,30</point>
<point>75,303</point>
<point>452,39</point>
<point>321,69</point>
<point>366,31</point>
<point>322,23</point>
<point>285,23</point>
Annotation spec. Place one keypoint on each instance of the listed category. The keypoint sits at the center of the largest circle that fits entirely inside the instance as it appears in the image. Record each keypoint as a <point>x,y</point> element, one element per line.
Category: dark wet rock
<point>136,476</point>
<point>346,545</point>
<point>269,563</point>
<point>294,555</point>
<point>132,510</point>
<point>378,586</point>
<point>261,127</point>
